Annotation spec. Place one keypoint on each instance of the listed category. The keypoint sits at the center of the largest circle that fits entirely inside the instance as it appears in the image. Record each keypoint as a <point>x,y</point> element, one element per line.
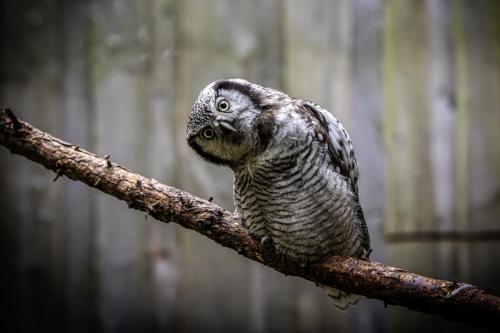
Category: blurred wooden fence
<point>417,83</point>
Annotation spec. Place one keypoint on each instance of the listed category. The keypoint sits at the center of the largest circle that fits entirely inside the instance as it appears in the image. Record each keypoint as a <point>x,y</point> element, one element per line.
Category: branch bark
<point>451,300</point>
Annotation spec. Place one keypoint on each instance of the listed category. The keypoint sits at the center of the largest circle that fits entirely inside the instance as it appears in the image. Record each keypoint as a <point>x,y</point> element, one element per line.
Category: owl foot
<point>267,243</point>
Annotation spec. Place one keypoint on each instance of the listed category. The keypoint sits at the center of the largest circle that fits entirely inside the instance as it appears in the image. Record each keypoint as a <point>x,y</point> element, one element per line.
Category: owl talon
<point>267,243</point>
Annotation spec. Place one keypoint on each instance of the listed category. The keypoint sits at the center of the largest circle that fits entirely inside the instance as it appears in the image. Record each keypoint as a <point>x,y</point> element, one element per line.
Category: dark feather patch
<point>265,128</point>
<point>335,155</point>
<point>242,88</point>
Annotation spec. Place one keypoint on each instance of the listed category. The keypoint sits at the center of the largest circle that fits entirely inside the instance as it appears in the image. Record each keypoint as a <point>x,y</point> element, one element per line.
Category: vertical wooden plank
<point>159,97</point>
<point>77,210</point>
<point>30,65</point>
<point>462,113</point>
<point>30,87</point>
<point>461,136</point>
<point>442,123</point>
<point>481,32</point>
<point>367,115</point>
<point>12,302</point>
<point>405,123</point>
<point>121,129</point>
<point>442,119</point>
<point>318,43</point>
<point>481,74</point>
<point>390,108</point>
<point>406,130</point>
<point>367,108</point>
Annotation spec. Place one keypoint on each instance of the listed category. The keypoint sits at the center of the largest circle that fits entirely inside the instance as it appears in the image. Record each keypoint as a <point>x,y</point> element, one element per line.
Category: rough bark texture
<point>451,300</point>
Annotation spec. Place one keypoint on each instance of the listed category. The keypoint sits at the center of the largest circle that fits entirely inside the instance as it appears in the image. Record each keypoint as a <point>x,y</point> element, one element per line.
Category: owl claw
<point>267,243</point>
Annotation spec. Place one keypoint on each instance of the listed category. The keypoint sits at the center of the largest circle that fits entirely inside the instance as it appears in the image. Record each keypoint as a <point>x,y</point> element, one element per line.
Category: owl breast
<point>292,194</point>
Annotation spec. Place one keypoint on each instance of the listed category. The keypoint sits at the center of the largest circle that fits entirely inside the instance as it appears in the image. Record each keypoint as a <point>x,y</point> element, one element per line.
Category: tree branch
<point>451,300</point>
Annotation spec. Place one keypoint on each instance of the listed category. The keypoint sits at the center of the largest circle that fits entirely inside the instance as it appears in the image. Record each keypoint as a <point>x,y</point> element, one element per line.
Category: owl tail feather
<point>342,300</point>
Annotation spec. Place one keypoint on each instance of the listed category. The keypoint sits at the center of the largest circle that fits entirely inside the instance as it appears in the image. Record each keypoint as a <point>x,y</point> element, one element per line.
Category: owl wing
<point>342,155</point>
<point>339,143</point>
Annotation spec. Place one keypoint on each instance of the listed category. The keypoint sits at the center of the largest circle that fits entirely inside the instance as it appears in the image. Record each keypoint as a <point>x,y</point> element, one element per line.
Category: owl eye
<point>208,134</point>
<point>223,105</point>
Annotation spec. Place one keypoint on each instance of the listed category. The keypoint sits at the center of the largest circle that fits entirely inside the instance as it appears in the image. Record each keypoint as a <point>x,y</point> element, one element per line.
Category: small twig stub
<point>15,122</point>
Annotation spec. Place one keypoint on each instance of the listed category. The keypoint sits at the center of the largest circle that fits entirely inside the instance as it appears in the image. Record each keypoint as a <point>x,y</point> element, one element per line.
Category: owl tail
<point>342,300</point>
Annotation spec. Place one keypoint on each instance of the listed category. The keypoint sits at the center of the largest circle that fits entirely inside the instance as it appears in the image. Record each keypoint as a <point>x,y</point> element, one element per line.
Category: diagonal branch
<point>451,300</point>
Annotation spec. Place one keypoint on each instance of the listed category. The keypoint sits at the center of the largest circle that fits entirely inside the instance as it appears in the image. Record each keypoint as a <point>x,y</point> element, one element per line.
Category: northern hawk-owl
<point>295,173</point>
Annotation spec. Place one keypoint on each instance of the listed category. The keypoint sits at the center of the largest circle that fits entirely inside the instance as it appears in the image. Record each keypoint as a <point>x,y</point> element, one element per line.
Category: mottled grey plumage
<point>295,173</point>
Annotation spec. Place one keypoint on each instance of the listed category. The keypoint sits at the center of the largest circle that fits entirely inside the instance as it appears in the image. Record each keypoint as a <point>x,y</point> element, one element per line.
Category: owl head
<point>226,124</point>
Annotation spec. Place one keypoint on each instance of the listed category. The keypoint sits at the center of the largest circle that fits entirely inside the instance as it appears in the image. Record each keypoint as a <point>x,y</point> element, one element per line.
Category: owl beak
<point>225,125</point>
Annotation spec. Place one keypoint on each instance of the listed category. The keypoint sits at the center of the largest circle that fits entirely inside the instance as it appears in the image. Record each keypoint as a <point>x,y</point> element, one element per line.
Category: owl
<point>295,172</point>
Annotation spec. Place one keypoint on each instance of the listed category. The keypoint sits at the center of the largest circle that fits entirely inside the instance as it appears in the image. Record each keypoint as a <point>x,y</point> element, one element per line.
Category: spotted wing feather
<point>342,155</point>
<point>339,143</point>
